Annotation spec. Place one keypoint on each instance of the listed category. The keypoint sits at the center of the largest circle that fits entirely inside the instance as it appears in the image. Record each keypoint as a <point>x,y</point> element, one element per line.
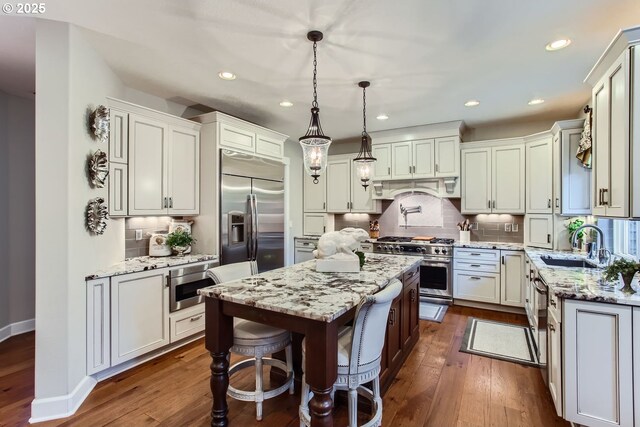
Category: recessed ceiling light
<point>472,103</point>
<point>558,44</point>
<point>382,117</point>
<point>286,104</point>
<point>536,101</point>
<point>226,75</point>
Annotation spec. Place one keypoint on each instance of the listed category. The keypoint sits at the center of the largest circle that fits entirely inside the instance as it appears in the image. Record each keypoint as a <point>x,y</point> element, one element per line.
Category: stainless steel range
<point>436,270</point>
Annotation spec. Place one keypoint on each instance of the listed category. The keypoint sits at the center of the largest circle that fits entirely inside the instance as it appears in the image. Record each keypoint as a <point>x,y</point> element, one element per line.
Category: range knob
<point>422,250</point>
<point>437,251</point>
<point>388,248</point>
<point>444,251</point>
<point>399,248</point>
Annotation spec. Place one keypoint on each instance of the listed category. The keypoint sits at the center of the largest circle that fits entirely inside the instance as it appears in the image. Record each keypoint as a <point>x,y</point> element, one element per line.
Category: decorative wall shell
<point>97,215</point>
<point>100,123</point>
<point>98,169</point>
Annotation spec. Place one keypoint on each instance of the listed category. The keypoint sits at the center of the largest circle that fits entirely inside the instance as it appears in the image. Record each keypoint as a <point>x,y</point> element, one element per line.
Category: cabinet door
<point>557,172</point>
<point>148,145</point>
<point>338,181</point>
<point>118,136</point>
<point>554,361</point>
<point>314,224</point>
<point>538,231</point>
<point>508,179</point>
<point>382,165</point>
<point>476,181</point>
<point>410,314</point>
<point>139,315</point>
<point>539,176</point>
<point>269,147</point>
<point>401,160</point>
<point>576,179</point>
<point>98,337</point>
<point>476,286</point>
<point>600,146</point>
<point>636,361</point>
<point>423,160</point>
<point>184,171</point>
<point>118,194</point>
<point>447,156</point>
<point>598,365</point>
<point>512,290</point>
<point>237,138</point>
<point>361,198</point>
<point>394,333</point>
<point>315,195</point>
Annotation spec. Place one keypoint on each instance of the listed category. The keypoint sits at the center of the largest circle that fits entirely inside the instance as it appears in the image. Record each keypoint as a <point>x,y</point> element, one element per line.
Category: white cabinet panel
<point>600,146</point>
<point>184,172</point>
<point>235,137</point>
<point>476,180</point>
<point>538,230</point>
<point>423,161</point>
<point>118,136</point>
<point>447,156</point>
<point>512,290</point>
<point>575,183</point>
<point>636,362</point>
<point>554,361</point>
<point>118,189</point>
<point>314,224</point>
<point>98,326</point>
<point>508,179</point>
<point>616,197</point>
<point>139,315</point>
<point>401,160</point>
<point>477,286</point>
<point>382,166</point>
<point>338,183</point>
<point>269,147</point>
<point>539,176</point>
<point>185,323</point>
<point>315,195</point>
<point>598,364</point>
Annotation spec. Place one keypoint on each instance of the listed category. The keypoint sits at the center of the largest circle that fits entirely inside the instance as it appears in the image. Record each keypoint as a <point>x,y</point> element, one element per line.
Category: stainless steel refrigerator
<point>252,210</point>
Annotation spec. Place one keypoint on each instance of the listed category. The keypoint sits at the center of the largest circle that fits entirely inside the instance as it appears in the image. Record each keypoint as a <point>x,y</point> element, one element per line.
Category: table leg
<point>218,340</point>
<point>321,370</point>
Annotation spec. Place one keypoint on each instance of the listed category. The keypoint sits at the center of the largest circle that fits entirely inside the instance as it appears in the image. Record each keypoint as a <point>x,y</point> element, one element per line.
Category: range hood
<point>440,187</point>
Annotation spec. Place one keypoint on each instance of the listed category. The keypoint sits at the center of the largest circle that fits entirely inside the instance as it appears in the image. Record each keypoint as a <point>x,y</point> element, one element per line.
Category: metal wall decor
<point>100,123</point>
<point>97,215</point>
<point>98,169</point>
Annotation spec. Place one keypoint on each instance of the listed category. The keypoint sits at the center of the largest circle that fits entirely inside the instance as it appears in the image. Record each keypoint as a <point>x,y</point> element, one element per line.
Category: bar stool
<point>255,340</point>
<point>359,355</point>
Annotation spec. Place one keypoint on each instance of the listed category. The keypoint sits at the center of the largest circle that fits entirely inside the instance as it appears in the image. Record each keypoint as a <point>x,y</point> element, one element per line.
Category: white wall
<point>293,151</point>
<point>4,213</point>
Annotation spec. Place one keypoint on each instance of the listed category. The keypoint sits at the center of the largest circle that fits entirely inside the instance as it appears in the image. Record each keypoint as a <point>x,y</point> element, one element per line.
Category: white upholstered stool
<point>255,340</point>
<point>359,355</point>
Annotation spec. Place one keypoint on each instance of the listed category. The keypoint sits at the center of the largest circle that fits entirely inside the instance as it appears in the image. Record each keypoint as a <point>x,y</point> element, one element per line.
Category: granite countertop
<point>301,291</point>
<point>306,238</point>
<point>578,283</point>
<point>490,245</point>
<point>143,263</point>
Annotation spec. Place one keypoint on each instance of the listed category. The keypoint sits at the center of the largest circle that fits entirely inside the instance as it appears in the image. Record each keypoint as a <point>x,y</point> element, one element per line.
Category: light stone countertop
<point>301,291</point>
<point>144,263</point>
<point>490,245</point>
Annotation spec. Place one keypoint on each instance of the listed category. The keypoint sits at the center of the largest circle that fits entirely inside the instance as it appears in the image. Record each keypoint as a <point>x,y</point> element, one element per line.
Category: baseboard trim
<point>51,408</point>
<point>17,329</point>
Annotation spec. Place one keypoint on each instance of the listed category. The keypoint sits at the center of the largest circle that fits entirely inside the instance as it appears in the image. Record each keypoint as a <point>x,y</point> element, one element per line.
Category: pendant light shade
<point>315,144</point>
<point>364,161</point>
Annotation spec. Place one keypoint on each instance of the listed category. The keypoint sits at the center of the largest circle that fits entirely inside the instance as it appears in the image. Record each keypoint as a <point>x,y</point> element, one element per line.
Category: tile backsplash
<point>149,224</point>
<point>489,227</point>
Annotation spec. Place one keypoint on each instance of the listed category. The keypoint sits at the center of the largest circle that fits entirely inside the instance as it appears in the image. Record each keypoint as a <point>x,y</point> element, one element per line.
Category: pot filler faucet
<point>407,210</point>
<point>598,251</point>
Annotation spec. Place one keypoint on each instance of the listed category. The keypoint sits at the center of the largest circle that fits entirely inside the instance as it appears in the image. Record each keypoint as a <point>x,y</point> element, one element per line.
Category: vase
<point>179,250</point>
<point>626,282</point>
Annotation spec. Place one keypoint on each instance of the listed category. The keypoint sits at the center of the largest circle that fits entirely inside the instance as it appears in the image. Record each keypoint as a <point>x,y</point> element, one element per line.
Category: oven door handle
<point>436,260</point>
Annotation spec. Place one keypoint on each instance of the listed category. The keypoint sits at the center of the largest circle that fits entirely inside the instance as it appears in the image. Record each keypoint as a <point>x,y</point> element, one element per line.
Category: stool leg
<point>259,389</point>
<point>304,399</point>
<point>376,395</point>
<point>289,358</point>
<point>353,407</point>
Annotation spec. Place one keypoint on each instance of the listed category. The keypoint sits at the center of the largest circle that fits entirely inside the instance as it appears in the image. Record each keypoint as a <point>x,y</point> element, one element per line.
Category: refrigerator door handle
<point>254,227</point>
<point>249,232</point>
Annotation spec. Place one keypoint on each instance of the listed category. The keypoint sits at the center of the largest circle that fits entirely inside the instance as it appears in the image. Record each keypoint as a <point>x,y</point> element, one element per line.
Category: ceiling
<point>424,58</point>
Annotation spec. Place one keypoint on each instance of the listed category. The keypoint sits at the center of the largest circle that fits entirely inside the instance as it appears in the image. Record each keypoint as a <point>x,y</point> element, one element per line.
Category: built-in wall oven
<point>184,283</point>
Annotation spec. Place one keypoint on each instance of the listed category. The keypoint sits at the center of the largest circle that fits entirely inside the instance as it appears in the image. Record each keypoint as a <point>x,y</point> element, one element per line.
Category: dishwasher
<point>304,249</point>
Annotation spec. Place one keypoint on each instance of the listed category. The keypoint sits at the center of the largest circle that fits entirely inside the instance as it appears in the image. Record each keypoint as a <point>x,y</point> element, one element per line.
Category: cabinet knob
<point>549,203</point>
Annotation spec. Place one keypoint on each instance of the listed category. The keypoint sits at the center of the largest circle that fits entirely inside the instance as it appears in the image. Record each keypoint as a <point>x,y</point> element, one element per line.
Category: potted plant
<point>180,241</point>
<point>624,270</point>
<point>572,226</point>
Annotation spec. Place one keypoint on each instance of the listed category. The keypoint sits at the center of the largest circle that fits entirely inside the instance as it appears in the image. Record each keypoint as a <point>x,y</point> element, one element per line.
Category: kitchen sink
<point>567,262</point>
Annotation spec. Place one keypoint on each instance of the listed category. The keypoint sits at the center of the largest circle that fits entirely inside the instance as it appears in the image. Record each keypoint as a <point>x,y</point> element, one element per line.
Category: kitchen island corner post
<point>321,369</point>
<point>218,341</point>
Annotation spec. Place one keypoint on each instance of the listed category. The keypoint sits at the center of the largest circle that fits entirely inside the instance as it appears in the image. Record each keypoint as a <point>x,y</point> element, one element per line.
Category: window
<point>626,238</point>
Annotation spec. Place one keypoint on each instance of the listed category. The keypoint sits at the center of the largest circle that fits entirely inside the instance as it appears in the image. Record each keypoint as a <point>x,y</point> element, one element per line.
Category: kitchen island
<point>299,299</point>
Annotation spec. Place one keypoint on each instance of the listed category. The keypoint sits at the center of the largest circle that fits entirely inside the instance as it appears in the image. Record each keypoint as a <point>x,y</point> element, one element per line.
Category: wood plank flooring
<point>438,386</point>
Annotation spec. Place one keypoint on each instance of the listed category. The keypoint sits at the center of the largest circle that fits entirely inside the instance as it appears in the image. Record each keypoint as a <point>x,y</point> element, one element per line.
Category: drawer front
<point>411,274</point>
<point>487,267</point>
<point>477,286</point>
<point>182,327</point>
<point>477,254</point>
<point>234,137</point>
<point>312,244</point>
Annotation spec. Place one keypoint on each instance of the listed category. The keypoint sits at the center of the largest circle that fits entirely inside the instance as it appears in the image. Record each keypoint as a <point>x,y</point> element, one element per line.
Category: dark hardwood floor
<point>438,386</point>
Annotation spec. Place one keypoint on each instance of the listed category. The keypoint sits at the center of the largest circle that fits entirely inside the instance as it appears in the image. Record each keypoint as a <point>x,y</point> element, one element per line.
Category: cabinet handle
<point>502,259</point>
<point>474,254</point>
<point>548,238</point>
<point>392,316</point>
<point>167,281</point>
<point>437,167</point>
<point>194,318</point>
<point>413,295</point>
<point>388,171</point>
<point>324,205</point>
<point>474,278</point>
<point>171,202</point>
<point>552,302</point>
<point>410,274</point>
<point>600,197</point>
<point>475,265</point>
<point>410,169</point>
<point>526,300</point>
<point>557,202</point>
<point>494,204</point>
<point>164,203</point>
<point>324,228</point>
<point>552,328</point>
<point>605,191</point>
<point>489,204</point>
<point>549,203</point>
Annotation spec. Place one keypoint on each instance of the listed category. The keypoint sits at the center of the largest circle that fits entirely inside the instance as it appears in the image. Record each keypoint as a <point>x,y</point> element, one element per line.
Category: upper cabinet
<point>344,190</point>
<point>423,158</point>
<point>382,165</point>
<point>315,195</point>
<point>616,127</point>
<point>540,174</point>
<point>493,177</point>
<point>155,162</point>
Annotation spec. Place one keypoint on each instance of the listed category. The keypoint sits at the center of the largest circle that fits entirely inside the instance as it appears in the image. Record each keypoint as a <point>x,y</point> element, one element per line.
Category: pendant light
<point>315,144</point>
<point>364,161</point>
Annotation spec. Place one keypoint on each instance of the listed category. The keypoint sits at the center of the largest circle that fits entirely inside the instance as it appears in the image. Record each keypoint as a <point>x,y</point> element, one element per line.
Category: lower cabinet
<point>410,315</point>
<point>186,322</point>
<point>598,364</point>
<point>512,291</point>
<point>554,360</point>
<point>477,286</point>
<point>98,327</point>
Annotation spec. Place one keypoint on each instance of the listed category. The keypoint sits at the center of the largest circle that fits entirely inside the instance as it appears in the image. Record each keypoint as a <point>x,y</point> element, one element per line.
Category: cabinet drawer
<point>234,137</point>
<point>555,306</point>
<point>473,265</point>
<point>477,286</point>
<point>184,325</point>
<point>269,147</point>
<point>476,254</point>
<point>411,274</point>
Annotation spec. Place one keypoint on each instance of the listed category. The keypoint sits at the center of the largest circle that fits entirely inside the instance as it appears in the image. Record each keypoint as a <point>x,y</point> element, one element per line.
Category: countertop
<point>490,245</point>
<point>301,291</point>
<point>143,263</point>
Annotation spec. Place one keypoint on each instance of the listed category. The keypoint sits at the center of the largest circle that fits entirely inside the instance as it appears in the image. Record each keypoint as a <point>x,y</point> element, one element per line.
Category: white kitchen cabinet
<point>344,190</point>
<point>554,361</point>
<point>269,147</point>
<point>382,165</point>
<point>118,189</point>
<point>98,326</point>
<point>314,224</point>
<point>598,365</point>
<point>304,249</point>
<point>512,291</point>
<point>183,174</point>
<point>447,156</point>
<point>493,178</point>
<point>402,160</point>
<point>118,136</point>
<point>236,137</point>
<point>476,286</point>
<point>538,230</point>
<point>539,172</point>
<point>186,322</point>
<point>423,159</point>
<point>315,195</point>
<point>636,363</point>
<point>139,314</point>
<point>575,198</point>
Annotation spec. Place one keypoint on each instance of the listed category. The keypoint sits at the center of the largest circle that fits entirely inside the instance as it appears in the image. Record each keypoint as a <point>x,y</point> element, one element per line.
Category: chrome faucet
<point>597,250</point>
